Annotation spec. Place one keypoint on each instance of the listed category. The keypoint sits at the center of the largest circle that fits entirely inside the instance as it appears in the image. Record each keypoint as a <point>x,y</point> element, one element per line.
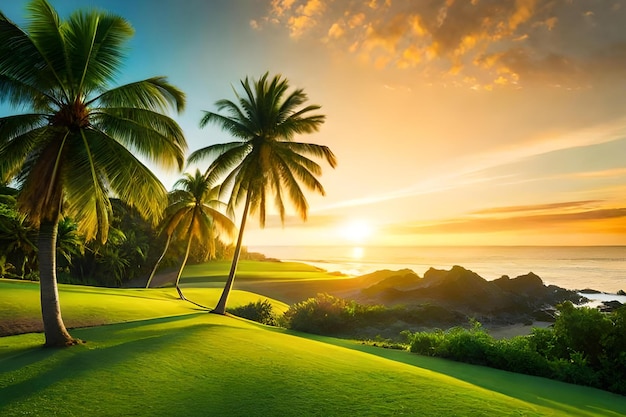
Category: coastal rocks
<point>609,306</point>
<point>505,299</point>
<point>529,285</point>
<point>590,291</point>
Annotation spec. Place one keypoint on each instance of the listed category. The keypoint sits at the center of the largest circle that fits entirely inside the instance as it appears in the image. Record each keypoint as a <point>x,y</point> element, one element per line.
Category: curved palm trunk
<point>54,329</point>
<point>156,266</point>
<point>182,266</point>
<point>220,308</point>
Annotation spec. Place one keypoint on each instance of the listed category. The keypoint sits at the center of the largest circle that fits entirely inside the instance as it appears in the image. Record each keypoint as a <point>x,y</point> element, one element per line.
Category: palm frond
<point>176,218</point>
<point>127,177</point>
<point>238,127</point>
<point>149,133</point>
<point>289,181</point>
<point>42,200</point>
<point>13,127</point>
<point>87,200</point>
<point>45,29</point>
<point>318,151</point>
<point>212,150</point>
<point>22,66</point>
<point>17,92</point>
<point>96,51</point>
<point>221,221</point>
<point>19,135</point>
<point>154,94</point>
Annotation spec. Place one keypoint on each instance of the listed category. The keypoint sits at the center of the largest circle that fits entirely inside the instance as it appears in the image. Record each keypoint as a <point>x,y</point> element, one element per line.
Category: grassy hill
<point>166,358</point>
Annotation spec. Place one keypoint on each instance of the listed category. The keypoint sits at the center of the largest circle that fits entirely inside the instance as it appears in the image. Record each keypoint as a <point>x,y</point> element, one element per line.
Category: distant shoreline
<point>601,268</point>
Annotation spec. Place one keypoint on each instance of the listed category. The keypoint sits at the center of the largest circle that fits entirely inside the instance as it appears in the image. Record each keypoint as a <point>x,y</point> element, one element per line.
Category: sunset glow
<point>454,123</point>
<point>356,231</point>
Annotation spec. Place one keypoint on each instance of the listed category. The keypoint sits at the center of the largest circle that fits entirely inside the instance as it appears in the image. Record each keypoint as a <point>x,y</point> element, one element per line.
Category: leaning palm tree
<point>194,212</point>
<point>264,158</point>
<point>74,145</point>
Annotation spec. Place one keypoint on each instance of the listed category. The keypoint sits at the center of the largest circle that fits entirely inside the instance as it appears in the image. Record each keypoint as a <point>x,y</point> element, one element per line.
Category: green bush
<point>326,314</point>
<point>585,347</point>
<point>518,354</point>
<point>260,311</point>
<point>582,331</point>
<point>323,314</point>
<point>425,343</point>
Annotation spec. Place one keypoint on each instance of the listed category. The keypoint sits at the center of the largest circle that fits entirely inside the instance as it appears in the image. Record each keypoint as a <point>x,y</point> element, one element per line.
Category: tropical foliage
<point>194,213</point>
<point>585,346</point>
<point>75,143</point>
<point>264,161</point>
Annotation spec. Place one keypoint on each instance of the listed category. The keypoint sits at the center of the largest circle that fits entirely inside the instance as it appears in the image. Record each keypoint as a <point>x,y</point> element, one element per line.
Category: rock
<point>529,285</point>
<point>609,306</point>
<point>547,314</point>
<point>402,281</point>
<point>621,292</point>
<point>590,291</point>
<point>516,300</point>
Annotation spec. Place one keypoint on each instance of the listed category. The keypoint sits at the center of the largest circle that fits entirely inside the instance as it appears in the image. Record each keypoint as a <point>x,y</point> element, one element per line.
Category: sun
<point>356,230</point>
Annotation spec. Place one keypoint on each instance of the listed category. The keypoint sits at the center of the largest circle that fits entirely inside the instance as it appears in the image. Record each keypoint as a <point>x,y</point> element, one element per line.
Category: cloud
<point>535,207</point>
<point>603,220</point>
<point>605,173</point>
<point>485,42</point>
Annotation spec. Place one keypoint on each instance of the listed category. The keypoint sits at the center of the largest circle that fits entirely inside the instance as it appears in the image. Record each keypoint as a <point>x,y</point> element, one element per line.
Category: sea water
<point>602,268</point>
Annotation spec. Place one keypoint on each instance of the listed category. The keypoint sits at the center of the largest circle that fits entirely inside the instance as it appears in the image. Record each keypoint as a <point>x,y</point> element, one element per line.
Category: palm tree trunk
<point>220,308</point>
<point>54,329</point>
<point>182,266</point>
<point>156,266</point>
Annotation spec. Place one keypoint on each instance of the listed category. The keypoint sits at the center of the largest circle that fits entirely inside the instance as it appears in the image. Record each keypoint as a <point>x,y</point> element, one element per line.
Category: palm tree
<point>75,144</point>
<point>69,242</point>
<point>18,235</point>
<point>264,158</point>
<point>194,212</point>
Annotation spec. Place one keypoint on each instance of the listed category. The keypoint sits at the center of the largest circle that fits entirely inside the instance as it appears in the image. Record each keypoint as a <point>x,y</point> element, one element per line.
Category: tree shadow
<point>33,369</point>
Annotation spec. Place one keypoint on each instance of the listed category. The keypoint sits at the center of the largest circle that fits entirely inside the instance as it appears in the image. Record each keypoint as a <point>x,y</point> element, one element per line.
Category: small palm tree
<point>194,212</point>
<point>75,145</point>
<point>264,158</point>
<point>69,242</point>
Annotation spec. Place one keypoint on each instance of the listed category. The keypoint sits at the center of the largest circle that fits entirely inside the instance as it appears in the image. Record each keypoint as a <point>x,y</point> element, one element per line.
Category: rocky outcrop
<point>505,299</point>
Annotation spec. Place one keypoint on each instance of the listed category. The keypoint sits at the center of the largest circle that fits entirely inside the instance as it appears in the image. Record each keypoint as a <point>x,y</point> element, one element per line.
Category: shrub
<point>581,330</point>
<point>260,311</point>
<point>323,314</point>
<point>518,354</point>
<point>471,346</point>
<point>426,343</point>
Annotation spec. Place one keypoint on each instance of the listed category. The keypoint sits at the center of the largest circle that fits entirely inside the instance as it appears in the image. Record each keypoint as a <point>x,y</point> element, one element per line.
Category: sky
<point>467,122</point>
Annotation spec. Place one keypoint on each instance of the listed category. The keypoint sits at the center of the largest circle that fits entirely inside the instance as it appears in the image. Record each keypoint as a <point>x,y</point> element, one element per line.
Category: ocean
<point>602,268</point>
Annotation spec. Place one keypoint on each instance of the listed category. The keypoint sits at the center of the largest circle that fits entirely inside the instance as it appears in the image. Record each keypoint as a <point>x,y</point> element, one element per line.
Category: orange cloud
<point>536,207</point>
<point>557,42</point>
<point>597,221</point>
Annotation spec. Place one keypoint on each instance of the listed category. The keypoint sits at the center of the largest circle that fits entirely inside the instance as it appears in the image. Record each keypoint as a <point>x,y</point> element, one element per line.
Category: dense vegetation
<point>129,253</point>
<point>585,346</point>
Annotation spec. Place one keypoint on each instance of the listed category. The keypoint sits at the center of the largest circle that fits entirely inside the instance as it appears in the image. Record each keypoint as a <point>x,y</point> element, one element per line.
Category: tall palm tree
<point>264,158</point>
<point>194,212</point>
<point>75,143</point>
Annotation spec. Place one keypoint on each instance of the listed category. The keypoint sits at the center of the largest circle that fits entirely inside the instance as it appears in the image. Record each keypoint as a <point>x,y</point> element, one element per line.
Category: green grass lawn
<point>167,359</point>
<point>88,306</point>
<point>217,271</point>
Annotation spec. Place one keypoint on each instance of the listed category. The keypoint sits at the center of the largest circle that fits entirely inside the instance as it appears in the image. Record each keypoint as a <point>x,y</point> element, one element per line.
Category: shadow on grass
<point>28,370</point>
<point>572,399</point>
